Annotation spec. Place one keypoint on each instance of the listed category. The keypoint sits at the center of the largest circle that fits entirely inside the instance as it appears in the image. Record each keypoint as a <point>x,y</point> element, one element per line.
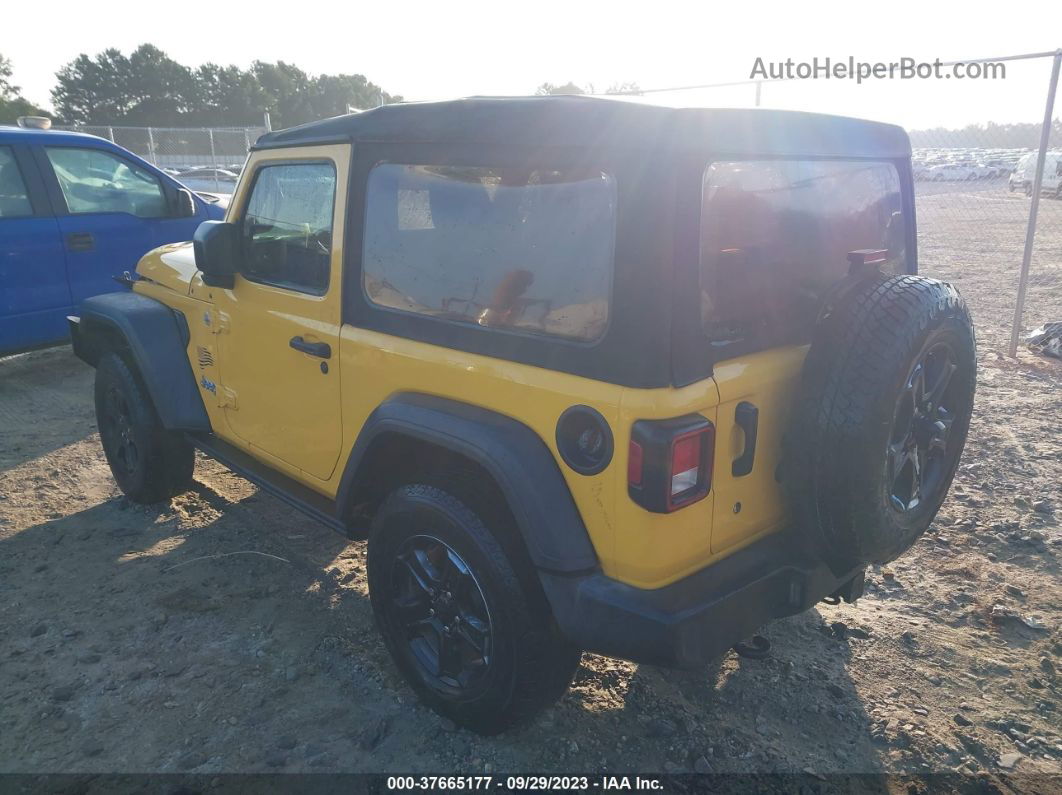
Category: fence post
<point>265,121</point>
<point>1034,207</point>
<point>213,159</point>
<point>151,147</point>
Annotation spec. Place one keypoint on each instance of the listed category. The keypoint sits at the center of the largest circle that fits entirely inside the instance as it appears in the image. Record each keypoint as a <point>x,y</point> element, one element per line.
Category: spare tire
<point>881,418</point>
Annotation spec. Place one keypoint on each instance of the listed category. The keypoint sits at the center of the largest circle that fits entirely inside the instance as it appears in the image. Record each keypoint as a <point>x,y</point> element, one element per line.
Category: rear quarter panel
<point>633,545</point>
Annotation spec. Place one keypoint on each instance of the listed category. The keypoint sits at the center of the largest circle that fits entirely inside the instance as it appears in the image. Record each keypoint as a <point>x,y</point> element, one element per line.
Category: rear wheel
<point>148,462</point>
<point>467,631</point>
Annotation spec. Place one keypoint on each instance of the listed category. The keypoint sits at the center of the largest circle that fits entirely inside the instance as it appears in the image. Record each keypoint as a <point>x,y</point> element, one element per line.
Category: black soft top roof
<point>601,122</point>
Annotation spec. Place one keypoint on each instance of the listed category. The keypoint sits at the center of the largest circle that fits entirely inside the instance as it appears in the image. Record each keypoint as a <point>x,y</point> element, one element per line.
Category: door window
<point>95,181</point>
<point>287,229</point>
<point>516,249</point>
<point>14,199</point>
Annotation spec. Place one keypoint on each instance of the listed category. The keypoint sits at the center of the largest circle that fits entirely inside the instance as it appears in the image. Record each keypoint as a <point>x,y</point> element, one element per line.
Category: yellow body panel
<point>277,405</point>
<point>751,506</point>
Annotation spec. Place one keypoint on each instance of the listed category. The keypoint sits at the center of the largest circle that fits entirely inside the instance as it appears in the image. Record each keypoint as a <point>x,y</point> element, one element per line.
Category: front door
<point>278,330</point>
<point>34,295</point>
<point>111,206</point>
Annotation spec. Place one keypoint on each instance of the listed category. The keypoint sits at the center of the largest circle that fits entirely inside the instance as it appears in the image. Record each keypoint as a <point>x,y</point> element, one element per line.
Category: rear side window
<point>521,249</point>
<point>94,181</point>
<point>14,199</point>
<point>775,235</point>
<point>287,228</point>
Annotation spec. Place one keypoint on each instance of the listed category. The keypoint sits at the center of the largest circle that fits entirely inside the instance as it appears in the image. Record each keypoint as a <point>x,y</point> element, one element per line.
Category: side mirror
<point>185,204</point>
<point>217,248</point>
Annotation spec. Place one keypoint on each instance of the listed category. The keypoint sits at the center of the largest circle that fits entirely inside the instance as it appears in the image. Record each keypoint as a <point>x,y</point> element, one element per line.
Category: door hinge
<point>227,398</point>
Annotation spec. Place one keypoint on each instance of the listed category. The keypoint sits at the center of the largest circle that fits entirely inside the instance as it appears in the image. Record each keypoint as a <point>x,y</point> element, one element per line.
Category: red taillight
<point>685,462</point>
<point>669,462</point>
<point>634,464</point>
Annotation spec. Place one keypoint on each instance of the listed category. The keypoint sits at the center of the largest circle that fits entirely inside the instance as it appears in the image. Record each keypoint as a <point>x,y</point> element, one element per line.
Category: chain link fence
<point>171,147</point>
<point>204,158</point>
<point>973,205</point>
<point>980,224</point>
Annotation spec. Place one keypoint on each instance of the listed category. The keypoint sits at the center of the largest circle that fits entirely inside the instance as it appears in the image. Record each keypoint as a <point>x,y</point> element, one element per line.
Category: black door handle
<point>81,241</point>
<point>321,349</point>
<point>747,417</point>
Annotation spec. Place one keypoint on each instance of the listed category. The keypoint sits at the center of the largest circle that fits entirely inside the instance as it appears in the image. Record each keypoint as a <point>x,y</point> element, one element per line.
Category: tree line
<point>148,88</point>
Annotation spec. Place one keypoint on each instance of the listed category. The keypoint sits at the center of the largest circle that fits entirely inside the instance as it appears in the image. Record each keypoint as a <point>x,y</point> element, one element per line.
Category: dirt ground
<point>224,632</point>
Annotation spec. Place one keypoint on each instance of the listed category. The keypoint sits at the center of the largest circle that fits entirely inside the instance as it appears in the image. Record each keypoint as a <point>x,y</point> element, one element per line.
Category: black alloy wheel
<point>442,609</point>
<point>458,606</point>
<point>918,446</point>
<point>116,431</point>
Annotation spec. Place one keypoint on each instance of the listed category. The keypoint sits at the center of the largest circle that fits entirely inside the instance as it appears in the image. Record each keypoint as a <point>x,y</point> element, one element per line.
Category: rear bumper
<point>691,621</point>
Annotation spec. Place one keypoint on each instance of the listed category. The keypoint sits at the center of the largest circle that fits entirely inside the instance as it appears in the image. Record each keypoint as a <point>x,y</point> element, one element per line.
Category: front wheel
<point>471,635</point>
<point>148,462</point>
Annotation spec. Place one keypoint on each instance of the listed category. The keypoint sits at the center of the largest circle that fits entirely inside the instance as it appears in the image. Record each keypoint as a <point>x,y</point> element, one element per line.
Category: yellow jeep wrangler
<point>588,374</point>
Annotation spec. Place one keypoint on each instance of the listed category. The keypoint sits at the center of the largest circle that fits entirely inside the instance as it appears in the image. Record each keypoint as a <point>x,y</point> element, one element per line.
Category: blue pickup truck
<point>76,211</point>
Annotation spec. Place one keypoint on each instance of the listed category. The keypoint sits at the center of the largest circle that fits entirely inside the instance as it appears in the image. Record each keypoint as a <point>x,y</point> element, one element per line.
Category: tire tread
<point>864,339</point>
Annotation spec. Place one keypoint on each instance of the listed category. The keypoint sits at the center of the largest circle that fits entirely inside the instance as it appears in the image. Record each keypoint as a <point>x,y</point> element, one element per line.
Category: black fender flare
<point>514,455</point>
<point>156,338</point>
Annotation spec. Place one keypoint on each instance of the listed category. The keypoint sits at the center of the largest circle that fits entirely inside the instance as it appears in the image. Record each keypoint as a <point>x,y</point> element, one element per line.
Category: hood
<point>217,204</point>
<point>172,265</point>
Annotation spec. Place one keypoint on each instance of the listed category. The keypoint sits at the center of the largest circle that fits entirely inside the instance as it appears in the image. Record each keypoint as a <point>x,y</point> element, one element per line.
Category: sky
<point>433,50</point>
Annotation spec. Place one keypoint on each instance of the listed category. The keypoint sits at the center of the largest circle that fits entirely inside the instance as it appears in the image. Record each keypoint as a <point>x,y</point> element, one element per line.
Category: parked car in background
<point>1024,174</point>
<point>952,172</point>
<point>217,199</point>
<point>214,180</point>
<point>1021,177</point>
<point>966,164</point>
<point>1052,182</point>
<point>76,211</point>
